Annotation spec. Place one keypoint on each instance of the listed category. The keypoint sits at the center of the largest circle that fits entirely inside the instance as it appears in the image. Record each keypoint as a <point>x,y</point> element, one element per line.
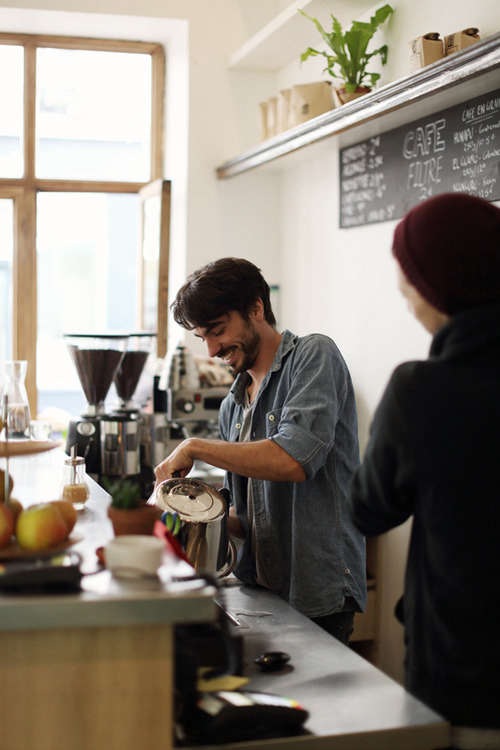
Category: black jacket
<point>434,453</point>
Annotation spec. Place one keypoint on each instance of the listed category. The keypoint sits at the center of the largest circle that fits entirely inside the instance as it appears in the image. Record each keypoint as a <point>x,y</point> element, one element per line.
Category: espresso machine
<point>184,405</point>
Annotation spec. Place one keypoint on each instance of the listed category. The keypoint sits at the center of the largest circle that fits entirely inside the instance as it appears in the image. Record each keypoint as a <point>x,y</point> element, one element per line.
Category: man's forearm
<point>262,459</point>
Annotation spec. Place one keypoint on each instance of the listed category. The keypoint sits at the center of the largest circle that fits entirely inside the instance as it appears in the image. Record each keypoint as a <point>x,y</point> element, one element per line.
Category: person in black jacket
<point>434,454</point>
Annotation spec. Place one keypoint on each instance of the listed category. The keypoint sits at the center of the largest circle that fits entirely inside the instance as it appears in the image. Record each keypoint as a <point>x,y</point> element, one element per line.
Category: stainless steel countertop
<point>352,704</point>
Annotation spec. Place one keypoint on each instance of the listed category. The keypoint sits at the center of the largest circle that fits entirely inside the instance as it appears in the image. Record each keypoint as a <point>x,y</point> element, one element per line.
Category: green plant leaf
<point>381,15</point>
<point>382,51</point>
<point>350,87</point>
<point>311,52</point>
<point>350,48</point>
<point>357,39</point>
<point>125,494</point>
<point>373,78</point>
<point>339,47</point>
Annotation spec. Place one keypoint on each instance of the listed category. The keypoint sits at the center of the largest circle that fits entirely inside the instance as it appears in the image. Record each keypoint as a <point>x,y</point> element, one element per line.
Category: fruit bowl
<point>14,552</point>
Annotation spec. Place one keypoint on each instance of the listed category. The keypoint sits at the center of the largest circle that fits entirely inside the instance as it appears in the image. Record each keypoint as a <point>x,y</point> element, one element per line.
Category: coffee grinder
<point>128,424</point>
<point>96,358</point>
<point>126,379</point>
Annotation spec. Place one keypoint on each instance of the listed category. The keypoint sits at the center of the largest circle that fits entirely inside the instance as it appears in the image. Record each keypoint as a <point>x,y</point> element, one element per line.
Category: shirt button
<point>271,417</point>
<point>238,425</point>
<point>347,572</point>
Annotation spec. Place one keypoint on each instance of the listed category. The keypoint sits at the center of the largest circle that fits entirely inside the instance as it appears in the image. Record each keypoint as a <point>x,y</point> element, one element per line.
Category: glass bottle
<point>18,410</point>
<point>75,487</point>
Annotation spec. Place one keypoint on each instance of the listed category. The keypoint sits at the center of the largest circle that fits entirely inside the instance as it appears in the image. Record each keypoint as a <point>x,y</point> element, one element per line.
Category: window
<point>11,112</point>
<point>6,255</point>
<point>93,115</point>
<point>80,136</point>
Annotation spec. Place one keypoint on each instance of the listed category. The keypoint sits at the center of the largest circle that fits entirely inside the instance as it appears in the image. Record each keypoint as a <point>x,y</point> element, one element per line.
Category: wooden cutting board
<point>27,447</point>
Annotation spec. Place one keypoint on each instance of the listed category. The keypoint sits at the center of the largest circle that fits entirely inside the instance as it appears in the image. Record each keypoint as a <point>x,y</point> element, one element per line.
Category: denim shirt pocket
<point>272,422</point>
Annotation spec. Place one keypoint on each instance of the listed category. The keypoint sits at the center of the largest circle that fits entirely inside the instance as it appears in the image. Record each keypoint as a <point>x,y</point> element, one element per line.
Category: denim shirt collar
<point>287,343</point>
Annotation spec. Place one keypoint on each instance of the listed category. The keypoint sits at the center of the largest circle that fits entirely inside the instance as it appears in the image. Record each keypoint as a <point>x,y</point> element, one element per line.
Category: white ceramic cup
<point>134,555</point>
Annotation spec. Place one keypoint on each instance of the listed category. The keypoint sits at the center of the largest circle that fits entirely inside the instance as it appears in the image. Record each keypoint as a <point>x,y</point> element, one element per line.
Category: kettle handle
<point>229,565</point>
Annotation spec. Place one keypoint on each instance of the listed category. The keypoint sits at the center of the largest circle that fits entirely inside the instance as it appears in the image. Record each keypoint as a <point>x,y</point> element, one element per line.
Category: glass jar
<point>18,410</point>
<point>75,487</point>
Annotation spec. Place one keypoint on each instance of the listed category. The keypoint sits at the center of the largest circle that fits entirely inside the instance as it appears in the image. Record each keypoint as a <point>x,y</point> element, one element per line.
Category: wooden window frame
<point>24,190</point>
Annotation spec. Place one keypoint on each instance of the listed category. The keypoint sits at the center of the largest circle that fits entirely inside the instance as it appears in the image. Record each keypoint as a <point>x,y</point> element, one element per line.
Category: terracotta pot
<point>347,96</point>
<point>135,521</point>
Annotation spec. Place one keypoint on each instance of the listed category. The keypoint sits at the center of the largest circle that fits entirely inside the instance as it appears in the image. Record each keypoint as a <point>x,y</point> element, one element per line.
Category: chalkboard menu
<point>456,150</point>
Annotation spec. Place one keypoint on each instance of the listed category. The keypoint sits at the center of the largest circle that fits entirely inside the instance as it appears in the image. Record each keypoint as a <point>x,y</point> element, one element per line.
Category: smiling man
<point>289,446</point>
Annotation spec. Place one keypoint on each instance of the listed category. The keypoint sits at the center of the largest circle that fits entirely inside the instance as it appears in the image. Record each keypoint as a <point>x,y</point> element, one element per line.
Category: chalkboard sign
<point>453,151</point>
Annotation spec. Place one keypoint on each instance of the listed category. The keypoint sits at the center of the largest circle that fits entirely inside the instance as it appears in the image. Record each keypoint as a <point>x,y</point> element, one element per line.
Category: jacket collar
<point>469,331</point>
<point>287,343</point>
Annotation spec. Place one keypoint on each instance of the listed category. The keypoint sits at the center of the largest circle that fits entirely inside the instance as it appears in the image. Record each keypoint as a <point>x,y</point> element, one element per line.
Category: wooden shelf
<point>476,60</point>
<point>288,34</point>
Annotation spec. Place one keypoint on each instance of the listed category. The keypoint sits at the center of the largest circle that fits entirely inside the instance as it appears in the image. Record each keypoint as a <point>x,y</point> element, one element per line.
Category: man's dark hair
<point>219,287</point>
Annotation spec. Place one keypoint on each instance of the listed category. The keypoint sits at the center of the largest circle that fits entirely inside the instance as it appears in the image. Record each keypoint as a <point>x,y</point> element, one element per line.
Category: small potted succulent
<point>348,56</point>
<point>128,512</point>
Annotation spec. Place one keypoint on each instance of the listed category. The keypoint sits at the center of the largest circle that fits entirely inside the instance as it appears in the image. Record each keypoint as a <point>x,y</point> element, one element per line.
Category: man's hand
<point>179,462</point>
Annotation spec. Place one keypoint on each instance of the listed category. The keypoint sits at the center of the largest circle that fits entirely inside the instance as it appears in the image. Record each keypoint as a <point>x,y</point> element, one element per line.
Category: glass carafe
<point>18,410</point>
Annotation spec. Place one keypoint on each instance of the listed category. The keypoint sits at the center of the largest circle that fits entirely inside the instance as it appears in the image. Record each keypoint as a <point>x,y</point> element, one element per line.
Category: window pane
<point>87,275</point>
<point>6,254</point>
<point>11,110</point>
<point>93,115</point>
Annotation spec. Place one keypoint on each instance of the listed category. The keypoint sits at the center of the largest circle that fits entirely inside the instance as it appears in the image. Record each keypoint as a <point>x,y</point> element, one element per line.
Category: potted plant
<point>128,512</point>
<point>349,57</point>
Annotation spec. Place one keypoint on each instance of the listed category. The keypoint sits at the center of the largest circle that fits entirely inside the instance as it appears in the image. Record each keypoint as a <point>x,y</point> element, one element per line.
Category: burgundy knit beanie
<point>449,249</point>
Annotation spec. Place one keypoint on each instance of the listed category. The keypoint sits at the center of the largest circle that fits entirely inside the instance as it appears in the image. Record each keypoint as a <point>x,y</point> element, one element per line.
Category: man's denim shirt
<point>314,557</point>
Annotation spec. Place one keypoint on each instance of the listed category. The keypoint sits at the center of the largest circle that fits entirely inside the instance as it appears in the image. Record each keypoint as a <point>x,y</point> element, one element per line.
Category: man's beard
<point>249,348</point>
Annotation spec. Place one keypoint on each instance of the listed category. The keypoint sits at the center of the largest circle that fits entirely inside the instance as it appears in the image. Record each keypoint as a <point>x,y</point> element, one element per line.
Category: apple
<point>6,525</point>
<point>2,485</point>
<point>40,527</point>
<point>67,511</point>
<point>15,508</point>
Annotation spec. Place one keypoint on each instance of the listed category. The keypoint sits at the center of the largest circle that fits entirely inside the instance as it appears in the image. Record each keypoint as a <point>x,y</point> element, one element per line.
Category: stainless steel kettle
<point>203,514</point>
